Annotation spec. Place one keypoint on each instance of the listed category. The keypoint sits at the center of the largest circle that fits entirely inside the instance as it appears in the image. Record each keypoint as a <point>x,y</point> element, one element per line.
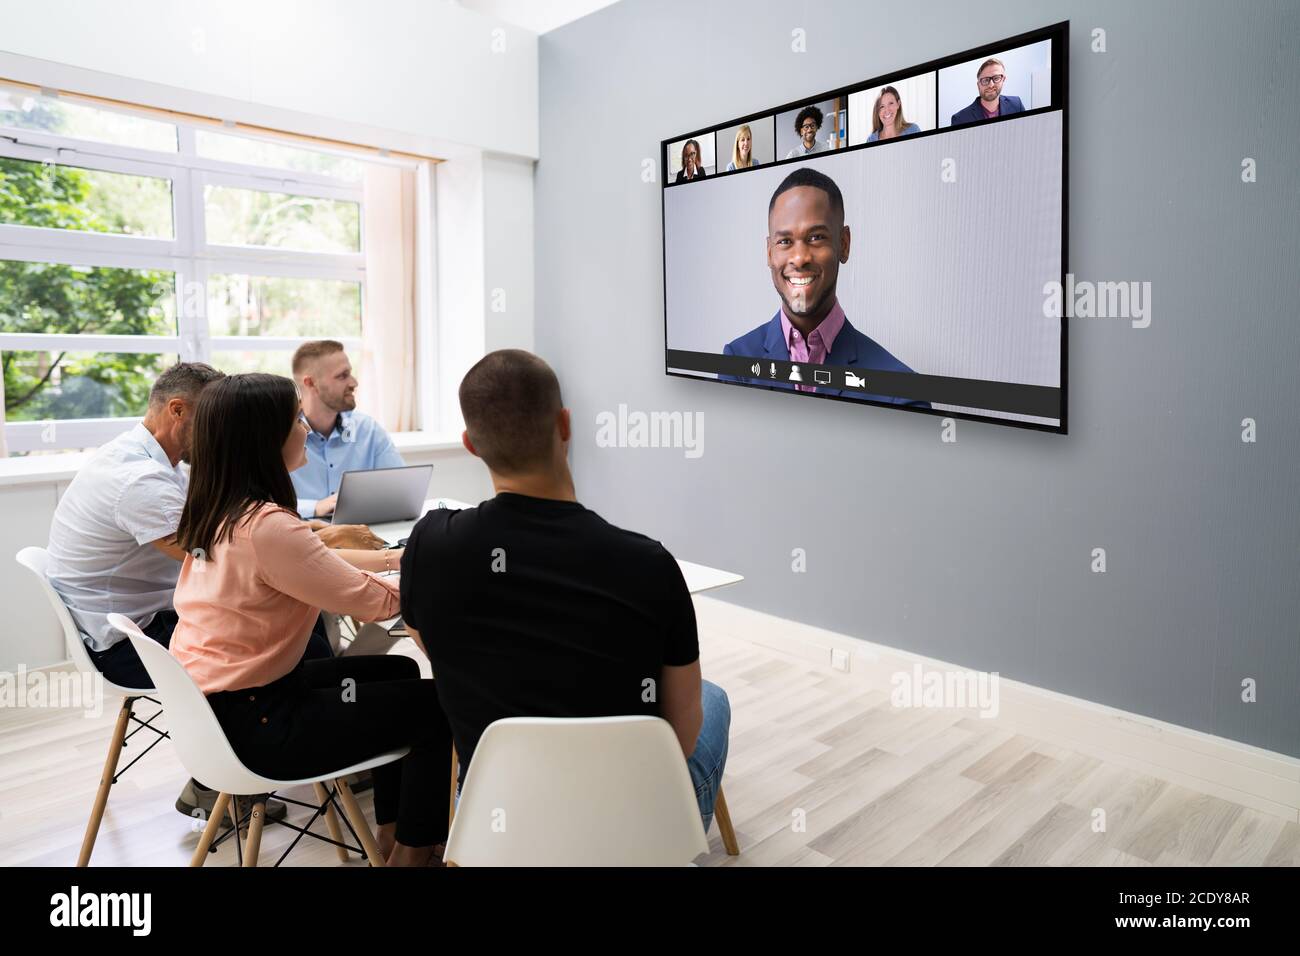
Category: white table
<point>698,576</point>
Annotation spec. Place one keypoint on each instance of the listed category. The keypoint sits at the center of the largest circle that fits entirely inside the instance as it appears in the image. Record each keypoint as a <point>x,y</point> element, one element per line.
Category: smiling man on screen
<point>807,241</point>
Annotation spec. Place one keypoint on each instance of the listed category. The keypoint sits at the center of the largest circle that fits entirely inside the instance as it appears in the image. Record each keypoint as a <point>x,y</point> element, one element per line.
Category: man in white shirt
<point>112,540</point>
<point>112,544</point>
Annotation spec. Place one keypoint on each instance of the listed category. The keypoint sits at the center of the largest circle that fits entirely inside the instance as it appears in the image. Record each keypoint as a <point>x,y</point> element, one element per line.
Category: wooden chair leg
<point>210,831</point>
<point>455,772</point>
<point>725,829</point>
<point>359,823</point>
<point>254,843</point>
<point>331,819</point>
<point>105,782</point>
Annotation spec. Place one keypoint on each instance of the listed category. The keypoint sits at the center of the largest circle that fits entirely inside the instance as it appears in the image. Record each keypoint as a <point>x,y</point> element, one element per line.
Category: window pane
<point>251,217</point>
<point>26,110</point>
<point>277,363</point>
<point>74,300</point>
<point>59,385</point>
<point>85,200</point>
<point>256,152</point>
<point>265,305</point>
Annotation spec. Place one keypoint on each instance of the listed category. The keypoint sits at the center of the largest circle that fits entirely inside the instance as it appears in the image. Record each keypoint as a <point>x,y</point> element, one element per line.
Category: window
<point>257,152</point>
<point>128,242</point>
<point>254,217</point>
<point>55,196</point>
<point>20,109</point>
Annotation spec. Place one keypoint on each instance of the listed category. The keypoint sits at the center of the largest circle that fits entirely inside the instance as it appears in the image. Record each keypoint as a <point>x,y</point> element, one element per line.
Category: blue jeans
<point>710,756</point>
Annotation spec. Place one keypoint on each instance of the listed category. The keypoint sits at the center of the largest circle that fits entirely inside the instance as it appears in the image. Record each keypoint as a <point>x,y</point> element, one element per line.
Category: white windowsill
<point>44,469</point>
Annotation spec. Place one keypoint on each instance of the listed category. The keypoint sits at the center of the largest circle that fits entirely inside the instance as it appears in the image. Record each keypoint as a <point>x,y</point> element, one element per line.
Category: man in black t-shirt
<point>533,606</point>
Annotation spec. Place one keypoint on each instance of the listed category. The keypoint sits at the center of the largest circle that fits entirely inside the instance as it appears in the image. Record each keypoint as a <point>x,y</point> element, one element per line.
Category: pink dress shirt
<point>819,343</point>
<point>246,612</point>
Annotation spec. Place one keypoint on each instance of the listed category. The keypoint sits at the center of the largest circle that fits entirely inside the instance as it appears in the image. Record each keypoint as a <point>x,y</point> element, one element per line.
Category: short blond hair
<point>309,352</point>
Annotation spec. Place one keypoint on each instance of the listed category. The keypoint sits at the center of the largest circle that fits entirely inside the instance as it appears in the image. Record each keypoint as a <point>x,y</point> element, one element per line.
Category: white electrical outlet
<point>839,659</point>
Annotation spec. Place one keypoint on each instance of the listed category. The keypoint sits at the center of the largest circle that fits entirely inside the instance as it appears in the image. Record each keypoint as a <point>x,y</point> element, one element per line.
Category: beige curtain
<point>388,386</point>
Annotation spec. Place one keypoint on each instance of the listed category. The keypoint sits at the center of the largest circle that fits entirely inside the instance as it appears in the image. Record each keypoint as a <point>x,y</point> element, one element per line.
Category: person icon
<point>794,374</point>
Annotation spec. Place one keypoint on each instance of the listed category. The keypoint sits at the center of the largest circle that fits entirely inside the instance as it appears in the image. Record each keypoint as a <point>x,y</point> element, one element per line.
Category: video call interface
<point>893,243</point>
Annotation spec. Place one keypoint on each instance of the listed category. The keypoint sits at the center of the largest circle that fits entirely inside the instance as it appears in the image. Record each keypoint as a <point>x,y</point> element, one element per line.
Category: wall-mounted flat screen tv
<point>892,243</point>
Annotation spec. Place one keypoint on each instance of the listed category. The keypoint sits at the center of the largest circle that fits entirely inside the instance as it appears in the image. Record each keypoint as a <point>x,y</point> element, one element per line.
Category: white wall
<point>427,68</point>
<point>508,225</point>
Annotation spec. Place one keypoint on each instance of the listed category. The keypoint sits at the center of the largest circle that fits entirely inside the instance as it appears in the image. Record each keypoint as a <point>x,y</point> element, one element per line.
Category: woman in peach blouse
<point>254,581</point>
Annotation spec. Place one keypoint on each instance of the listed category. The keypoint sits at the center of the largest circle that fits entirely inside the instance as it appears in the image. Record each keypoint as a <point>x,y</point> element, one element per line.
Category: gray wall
<point>977,552</point>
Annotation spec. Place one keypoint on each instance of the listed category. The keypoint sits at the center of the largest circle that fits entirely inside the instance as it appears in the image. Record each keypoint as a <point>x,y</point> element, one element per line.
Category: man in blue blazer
<point>990,102</point>
<point>806,243</point>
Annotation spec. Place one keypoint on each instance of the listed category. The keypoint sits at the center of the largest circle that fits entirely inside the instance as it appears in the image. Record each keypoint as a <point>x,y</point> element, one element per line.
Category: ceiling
<point>539,16</point>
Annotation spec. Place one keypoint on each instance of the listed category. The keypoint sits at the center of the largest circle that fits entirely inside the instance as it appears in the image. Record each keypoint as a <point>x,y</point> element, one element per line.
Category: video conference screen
<point>891,243</point>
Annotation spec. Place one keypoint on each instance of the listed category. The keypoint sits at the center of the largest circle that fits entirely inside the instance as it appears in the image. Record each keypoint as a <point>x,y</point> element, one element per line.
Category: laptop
<point>389,500</point>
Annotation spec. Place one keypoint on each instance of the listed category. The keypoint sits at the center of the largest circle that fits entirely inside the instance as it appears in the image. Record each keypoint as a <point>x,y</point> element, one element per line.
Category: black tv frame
<point>1059,34</point>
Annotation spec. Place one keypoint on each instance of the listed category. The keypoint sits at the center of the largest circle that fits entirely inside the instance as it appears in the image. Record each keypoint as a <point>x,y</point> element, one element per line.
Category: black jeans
<point>122,665</point>
<point>325,715</point>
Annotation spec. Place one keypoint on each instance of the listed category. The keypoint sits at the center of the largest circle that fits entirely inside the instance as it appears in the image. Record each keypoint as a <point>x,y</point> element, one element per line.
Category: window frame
<point>187,255</point>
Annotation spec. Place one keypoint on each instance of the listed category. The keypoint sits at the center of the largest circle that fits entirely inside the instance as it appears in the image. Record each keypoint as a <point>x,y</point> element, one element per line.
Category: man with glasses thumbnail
<point>990,102</point>
<point>806,124</point>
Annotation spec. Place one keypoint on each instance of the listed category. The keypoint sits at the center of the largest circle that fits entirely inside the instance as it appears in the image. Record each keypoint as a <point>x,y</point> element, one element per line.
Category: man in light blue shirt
<point>342,439</point>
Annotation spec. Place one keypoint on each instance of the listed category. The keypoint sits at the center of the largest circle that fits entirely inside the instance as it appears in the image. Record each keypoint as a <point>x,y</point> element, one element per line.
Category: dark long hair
<point>241,423</point>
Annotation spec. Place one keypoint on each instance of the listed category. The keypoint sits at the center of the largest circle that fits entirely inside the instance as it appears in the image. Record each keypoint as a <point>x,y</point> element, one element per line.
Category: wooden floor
<point>820,773</point>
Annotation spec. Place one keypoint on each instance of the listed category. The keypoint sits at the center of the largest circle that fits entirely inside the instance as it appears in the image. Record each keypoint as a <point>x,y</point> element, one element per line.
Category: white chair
<point>37,561</point>
<point>207,755</point>
<point>602,791</point>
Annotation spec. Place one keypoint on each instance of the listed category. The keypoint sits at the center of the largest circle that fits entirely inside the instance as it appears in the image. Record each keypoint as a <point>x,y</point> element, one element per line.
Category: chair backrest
<point>201,744</point>
<point>37,560</point>
<point>602,791</point>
